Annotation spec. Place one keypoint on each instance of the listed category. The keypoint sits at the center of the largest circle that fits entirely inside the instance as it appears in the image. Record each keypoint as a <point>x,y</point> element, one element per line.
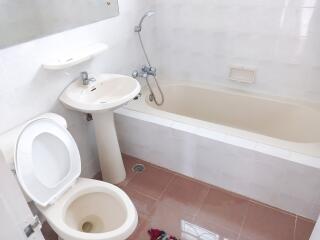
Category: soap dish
<point>75,57</point>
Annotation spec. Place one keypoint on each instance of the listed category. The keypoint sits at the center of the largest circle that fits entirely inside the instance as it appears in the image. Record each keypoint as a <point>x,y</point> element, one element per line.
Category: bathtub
<point>262,147</point>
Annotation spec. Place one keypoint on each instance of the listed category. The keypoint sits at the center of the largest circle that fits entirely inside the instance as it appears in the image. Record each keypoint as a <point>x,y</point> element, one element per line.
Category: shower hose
<point>152,95</point>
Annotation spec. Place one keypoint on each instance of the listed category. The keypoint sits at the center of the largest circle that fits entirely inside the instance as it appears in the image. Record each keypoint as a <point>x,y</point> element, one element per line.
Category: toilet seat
<point>47,160</point>
<point>57,214</point>
<point>48,166</point>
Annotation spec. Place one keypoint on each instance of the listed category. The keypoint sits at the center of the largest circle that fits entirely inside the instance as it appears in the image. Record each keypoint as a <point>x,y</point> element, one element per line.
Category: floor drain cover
<point>138,168</point>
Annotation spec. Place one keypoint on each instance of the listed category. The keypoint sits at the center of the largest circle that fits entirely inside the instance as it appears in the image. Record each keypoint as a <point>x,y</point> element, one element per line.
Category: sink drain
<point>87,227</point>
<point>138,168</point>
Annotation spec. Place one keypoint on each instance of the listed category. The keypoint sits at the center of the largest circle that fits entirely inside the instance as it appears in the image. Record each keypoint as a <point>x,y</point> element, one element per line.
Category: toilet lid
<point>47,160</point>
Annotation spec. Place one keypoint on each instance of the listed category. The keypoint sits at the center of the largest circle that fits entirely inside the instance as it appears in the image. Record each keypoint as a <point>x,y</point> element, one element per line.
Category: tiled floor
<point>190,209</point>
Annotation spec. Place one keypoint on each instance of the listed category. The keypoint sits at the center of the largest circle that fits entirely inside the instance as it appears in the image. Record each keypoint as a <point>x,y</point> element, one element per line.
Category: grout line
<point>138,191</point>
<point>243,221</point>
<point>127,180</point>
<point>271,207</point>
<point>143,194</point>
<point>157,200</point>
<point>167,186</point>
<point>295,227</point>
<point>307,219</point>
<point>234,194</point>
<point>201,205</point>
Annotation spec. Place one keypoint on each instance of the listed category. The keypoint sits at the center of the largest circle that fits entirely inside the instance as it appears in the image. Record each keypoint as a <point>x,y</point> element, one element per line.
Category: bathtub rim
<point>282,148</point>
<point>313,105</point>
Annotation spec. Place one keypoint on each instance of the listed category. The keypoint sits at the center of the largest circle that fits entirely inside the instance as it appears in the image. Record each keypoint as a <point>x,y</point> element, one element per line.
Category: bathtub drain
<point>138,168</point>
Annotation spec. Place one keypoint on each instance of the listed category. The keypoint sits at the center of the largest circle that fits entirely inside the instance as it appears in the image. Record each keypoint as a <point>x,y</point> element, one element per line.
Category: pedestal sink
<point>100,98</point>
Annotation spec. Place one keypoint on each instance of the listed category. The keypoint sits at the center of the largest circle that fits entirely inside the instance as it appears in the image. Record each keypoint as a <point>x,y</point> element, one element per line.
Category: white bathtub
<point>261,147</point>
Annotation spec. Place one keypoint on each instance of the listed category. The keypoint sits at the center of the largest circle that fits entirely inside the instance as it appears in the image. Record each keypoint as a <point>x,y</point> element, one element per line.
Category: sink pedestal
<point>111,162</point>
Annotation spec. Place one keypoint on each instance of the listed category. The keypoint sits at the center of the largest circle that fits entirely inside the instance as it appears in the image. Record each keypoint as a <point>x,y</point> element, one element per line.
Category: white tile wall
<point>193,40</point>
<point>26,90</point>
<point>199,40</point>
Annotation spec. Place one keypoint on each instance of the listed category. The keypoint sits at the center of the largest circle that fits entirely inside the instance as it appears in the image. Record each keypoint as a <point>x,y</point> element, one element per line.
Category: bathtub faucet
<point>152,71</point>
<point>144,72</point>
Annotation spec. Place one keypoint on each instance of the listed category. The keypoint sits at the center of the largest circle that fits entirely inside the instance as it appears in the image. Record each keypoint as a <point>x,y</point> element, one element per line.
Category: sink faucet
<point>84,76</point>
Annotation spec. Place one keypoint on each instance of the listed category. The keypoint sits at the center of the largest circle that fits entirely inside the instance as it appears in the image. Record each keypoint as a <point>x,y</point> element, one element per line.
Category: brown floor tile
<point>48,232</point>
<point>144,204</point>
<point>189,209</point>
<point>264,223</point>
<point>151,182</point>
<point>223,209</point>
<point>185,194</point>
<point>303,229</point>
<point>169,219</point>
<point>141,232</point>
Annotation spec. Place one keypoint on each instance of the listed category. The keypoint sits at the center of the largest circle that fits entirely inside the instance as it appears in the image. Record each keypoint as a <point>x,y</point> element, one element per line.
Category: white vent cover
<point>242,74</point>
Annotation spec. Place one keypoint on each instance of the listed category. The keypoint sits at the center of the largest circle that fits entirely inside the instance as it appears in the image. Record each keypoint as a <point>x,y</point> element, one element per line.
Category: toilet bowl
<point>47,164</point>
<point>92,210</point>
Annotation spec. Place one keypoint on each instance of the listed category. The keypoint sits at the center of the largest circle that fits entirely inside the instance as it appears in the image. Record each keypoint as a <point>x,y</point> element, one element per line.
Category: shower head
<point>150,13</point>
<point>138,28</point>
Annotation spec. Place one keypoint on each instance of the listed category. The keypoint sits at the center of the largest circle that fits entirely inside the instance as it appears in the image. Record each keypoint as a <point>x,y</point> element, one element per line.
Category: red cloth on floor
<point>156,234</point>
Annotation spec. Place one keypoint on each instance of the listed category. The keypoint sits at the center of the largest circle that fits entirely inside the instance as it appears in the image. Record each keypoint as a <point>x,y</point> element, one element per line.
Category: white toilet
<point>47,164</point>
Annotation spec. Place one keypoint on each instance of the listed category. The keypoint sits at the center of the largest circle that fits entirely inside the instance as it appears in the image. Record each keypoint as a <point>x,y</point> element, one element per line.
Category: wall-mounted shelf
<point>75,57</point>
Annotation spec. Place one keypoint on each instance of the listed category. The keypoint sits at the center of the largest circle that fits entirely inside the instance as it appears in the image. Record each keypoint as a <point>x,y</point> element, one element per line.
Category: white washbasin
<point>99,98</point>
<point>108,92</point>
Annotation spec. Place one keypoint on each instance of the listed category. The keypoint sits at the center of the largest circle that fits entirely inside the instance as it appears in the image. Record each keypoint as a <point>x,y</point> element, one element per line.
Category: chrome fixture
<point>151,71</point>
<point>138,168</point>
<point>144,72</point>
<point>138,28</point>
<point>148,70</point>
<point>84,76</point>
